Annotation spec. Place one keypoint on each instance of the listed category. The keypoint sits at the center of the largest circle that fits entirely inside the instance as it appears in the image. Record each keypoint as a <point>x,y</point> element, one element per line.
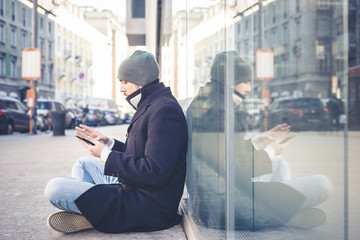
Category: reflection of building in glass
<point>303,43</point>
<point>354,64</point>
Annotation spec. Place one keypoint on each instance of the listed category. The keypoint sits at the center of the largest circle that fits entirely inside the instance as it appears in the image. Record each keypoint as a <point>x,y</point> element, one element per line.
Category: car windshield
<point>43,105</point>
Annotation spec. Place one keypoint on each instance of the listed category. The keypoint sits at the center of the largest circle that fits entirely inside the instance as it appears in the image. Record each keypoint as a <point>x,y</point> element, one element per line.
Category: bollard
<point>58,123</point>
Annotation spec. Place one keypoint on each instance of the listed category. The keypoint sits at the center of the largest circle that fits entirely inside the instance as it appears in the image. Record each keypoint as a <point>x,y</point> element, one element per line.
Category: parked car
<point>13,116</point>
<point>126,117</point>
<point>112,117</point>
<point>300,113</point>
<point>95,117</point>
<point>44,107</point>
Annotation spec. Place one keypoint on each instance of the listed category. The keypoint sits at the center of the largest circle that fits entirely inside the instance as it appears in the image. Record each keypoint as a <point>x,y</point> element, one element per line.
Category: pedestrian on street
<point>336,108</point>
<point>133,186</point>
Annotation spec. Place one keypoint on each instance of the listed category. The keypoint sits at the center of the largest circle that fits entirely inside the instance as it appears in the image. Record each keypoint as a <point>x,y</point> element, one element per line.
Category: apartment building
<point>15,35</point>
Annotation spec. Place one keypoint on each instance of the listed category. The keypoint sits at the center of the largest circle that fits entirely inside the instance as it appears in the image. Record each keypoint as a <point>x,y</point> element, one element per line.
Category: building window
<point>42,47</point>
<point>41,24</point>
<point>286,8</point>
<point>13,11</point>
<point>285,34</point>
<point>13,37</point>
<point>23,40</point>
<point>238,47</point>
<point>1,7</point>
<point>255,22</point>
<point>247,49</point>
<point>297,65</point>
<point>273,8</point>
<point>50,49</point>
<point>2,39</point>
<point>42,79</point>
<point>138,8</point>
<point>278,67</point>
<point>297,29</point>
<point>239,29</point>
<point>2,65</point>
<point>13,68</point>
<point>49,26</point>
<point>23,16</point>
<point>50,74</point>
<point>247,26</point>
<point>323,27</point>
<point>266,39</point>
<point>273,38</point>
<point>297,6</point>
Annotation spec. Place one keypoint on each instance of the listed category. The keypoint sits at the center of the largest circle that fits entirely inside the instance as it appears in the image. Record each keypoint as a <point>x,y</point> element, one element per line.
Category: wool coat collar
<point>148,95</point>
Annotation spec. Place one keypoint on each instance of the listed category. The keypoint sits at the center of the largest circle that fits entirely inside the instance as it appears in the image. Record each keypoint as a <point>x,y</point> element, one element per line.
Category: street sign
<point>81,75</point>
<point>264,64</point>
<point>31,64</point>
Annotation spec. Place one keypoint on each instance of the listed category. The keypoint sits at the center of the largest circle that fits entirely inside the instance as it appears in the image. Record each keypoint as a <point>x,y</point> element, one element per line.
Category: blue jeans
<point>86,173</point>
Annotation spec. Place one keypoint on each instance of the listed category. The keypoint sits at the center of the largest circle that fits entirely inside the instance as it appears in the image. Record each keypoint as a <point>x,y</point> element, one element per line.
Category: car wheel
<point>10,128</point>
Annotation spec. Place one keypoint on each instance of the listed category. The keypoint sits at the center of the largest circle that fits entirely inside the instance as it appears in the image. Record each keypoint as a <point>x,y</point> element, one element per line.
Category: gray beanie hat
<point>140,68</point>
<point>242,69</point>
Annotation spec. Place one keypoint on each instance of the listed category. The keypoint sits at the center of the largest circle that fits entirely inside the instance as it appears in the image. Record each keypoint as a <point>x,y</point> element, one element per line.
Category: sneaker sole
<point>308,218</point>
<point>67,222</point>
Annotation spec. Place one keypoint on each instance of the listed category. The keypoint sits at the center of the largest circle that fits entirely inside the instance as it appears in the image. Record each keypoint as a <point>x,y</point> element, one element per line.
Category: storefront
<point>244,180</point>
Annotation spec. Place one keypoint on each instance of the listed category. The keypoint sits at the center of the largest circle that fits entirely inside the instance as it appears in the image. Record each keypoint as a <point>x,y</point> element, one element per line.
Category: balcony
<point>67,54</point>
<point>61,74</point>
<point>77,58</point>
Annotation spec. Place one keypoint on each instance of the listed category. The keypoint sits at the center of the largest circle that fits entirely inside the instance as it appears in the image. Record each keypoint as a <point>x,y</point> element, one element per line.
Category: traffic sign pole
<point>31,71</point>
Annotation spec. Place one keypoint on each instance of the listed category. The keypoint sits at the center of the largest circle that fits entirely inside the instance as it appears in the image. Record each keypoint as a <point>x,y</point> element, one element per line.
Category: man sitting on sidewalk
<point>131,186</point>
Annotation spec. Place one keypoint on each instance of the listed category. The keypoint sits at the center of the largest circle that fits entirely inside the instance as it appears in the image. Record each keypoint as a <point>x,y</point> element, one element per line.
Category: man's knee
<point>83,161</point>
<point>53,188</point>
<point>324,187</point>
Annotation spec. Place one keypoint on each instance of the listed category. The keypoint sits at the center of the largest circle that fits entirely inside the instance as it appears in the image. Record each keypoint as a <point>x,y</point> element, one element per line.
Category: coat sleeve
<point>166,142</point>
<point>118,146</point>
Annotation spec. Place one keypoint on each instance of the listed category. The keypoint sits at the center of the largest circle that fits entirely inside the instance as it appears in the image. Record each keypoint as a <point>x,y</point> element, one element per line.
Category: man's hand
<point>271,135</point>
<point>85,132</point>
<point>93,136</point>
<point>94,150</point>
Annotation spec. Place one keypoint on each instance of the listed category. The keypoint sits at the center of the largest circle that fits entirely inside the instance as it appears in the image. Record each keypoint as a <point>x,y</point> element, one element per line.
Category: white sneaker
<point>68,222</point>
<point>308,218</point>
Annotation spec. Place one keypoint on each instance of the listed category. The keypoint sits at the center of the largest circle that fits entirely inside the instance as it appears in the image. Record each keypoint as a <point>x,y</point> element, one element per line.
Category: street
<point>27,163</point>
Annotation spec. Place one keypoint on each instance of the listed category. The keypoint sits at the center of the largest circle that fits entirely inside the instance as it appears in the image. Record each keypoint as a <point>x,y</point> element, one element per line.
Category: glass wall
<point>273,123</point>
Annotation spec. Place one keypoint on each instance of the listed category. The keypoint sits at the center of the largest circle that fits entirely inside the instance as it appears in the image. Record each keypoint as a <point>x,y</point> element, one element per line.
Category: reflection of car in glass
<point>112,117</point>
<point>13,116</point>
<point>95,117</point>
<point>300,113</point>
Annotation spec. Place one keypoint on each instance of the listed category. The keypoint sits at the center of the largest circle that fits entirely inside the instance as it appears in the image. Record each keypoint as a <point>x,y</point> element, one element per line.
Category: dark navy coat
<point>151,166</point>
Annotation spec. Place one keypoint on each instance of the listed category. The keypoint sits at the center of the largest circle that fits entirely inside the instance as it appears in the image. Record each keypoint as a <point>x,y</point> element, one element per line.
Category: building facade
<point>15,35</point>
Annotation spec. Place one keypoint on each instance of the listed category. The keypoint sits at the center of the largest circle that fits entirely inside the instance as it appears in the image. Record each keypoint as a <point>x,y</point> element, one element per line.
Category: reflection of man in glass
<point>259,170</point>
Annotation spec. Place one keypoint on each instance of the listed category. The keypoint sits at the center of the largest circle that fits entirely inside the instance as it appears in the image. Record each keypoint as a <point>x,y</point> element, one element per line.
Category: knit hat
<point>140,68</point>
<point>242,69</point>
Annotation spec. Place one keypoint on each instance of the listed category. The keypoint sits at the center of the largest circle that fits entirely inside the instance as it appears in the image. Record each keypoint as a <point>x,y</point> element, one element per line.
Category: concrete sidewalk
<point>27,163</point>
